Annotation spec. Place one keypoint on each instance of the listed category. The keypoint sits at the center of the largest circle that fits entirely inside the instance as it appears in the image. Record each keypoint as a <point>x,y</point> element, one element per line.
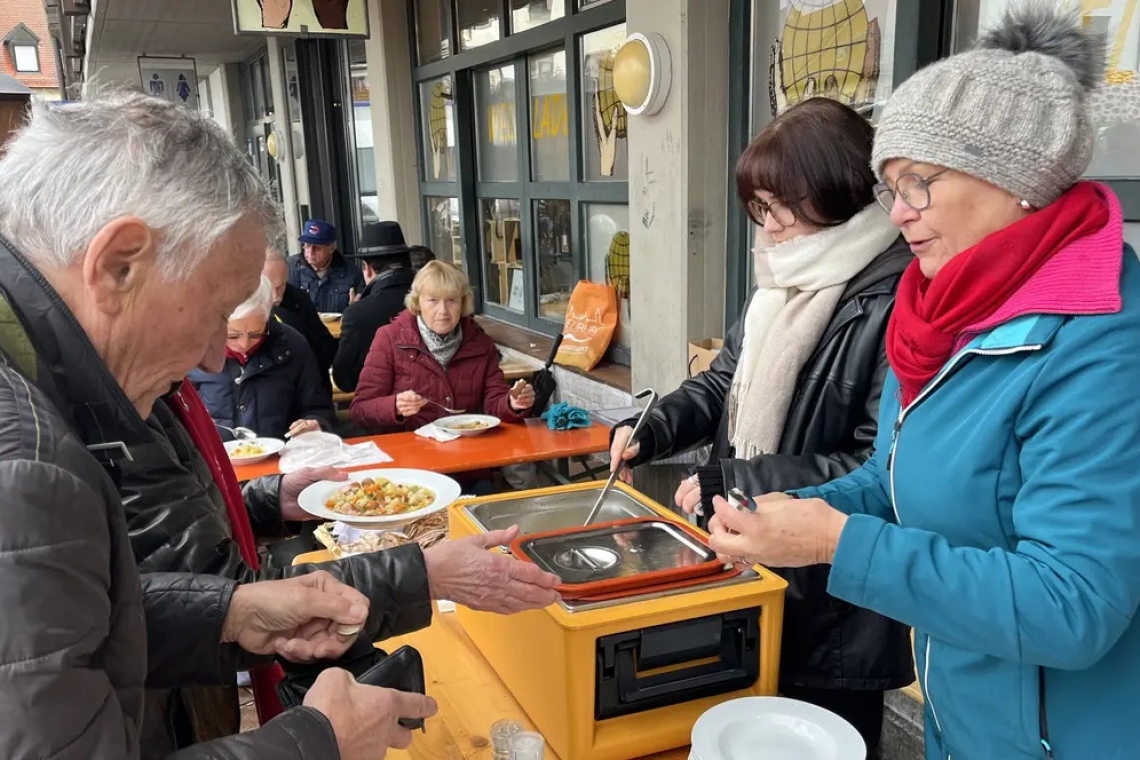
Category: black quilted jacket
<point>81,635</point>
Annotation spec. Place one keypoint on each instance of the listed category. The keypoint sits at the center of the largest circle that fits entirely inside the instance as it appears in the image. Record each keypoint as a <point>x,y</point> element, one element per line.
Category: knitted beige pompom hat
<point>1011,111</point>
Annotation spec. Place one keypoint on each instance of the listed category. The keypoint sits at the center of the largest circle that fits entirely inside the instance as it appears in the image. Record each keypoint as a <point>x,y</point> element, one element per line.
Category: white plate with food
<point>330,316</point>
<point>468,424</point>
<point>252,452</point>
<point>384,498</point>
<point>775,728</point>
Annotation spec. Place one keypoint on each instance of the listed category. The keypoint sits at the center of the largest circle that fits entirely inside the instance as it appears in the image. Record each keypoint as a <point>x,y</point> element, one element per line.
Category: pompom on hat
<point>1011,111</point>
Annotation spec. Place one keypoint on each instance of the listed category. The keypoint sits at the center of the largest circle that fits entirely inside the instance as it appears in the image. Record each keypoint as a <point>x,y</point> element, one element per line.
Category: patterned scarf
<point>442,347</point>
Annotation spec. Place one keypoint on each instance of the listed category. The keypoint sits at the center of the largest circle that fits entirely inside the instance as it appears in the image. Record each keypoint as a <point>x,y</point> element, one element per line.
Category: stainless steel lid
<point>617,551</point>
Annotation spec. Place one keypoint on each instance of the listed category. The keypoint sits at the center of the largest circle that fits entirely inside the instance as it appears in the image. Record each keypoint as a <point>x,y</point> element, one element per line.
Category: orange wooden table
<point>528,441</point>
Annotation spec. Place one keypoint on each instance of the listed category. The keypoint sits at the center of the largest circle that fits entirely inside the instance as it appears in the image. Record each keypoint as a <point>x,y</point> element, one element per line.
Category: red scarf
<point>192,413</point>
<point>243,358</point>
<point>929,315</point>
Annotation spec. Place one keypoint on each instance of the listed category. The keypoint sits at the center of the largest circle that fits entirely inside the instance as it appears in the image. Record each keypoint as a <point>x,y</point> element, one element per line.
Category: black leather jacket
<point>177,521</point>
<point>830,431</point>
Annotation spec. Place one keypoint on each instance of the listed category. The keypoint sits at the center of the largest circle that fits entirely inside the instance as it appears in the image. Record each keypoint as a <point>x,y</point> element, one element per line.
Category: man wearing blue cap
<point>322,272</point>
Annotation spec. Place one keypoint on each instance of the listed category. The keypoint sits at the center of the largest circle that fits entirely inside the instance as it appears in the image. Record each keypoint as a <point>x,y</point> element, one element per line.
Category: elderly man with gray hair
<point>130,229</point>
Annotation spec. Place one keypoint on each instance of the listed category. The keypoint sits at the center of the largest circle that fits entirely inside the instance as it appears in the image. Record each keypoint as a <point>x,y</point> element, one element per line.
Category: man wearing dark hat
<point>388,270</point>
<point>322,272</point>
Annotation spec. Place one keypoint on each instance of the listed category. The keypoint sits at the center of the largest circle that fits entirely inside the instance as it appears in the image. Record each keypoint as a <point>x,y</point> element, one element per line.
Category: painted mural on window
<point>834,49</point>
<point>603,116</point>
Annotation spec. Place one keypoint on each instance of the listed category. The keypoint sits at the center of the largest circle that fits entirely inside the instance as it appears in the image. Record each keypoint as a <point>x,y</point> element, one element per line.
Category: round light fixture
<point>643,73</point>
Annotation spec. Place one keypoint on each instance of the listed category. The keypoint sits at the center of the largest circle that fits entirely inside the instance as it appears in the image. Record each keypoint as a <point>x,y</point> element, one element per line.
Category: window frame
<point>516,49</point>
<point>35,48</point>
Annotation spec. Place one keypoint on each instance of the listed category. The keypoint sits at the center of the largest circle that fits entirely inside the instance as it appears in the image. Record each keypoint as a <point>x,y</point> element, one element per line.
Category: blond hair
<point>442,279</point>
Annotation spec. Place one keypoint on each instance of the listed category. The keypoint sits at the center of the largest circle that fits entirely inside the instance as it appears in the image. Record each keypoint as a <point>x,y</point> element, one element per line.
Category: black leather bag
<point>403,670</point>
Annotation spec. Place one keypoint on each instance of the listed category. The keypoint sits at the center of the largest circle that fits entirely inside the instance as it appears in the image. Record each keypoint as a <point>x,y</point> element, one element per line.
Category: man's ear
<point>118,261</point>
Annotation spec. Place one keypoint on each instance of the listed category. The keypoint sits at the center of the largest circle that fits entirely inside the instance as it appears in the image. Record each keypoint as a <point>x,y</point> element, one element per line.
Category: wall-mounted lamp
<point>643,73</point>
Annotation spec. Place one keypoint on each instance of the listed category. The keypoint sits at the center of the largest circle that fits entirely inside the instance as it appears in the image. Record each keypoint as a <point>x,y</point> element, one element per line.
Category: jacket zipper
<point>903,412</point>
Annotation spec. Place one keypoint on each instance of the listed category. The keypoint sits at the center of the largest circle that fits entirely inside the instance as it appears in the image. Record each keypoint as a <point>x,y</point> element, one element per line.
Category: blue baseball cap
<point>317,232</point>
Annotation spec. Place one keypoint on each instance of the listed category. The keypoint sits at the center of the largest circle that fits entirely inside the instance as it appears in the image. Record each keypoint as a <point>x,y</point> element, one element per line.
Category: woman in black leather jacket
<point>792,399</point>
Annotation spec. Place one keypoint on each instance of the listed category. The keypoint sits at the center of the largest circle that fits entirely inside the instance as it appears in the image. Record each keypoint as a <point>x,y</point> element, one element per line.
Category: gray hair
<point>76,167</point>
<point>260,303</point>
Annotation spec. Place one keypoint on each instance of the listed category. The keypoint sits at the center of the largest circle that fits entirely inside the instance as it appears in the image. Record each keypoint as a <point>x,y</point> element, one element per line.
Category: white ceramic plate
<point>330,316</point>
<point>774,728</point>
<point>450,423</point>
<point>269,447</point>
<point>313,498</point>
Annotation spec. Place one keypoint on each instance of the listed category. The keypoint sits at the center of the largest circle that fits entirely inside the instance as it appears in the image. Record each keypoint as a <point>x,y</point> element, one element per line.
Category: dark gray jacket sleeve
<point>298,734</point>
<point>56,697</point>
<point>184,619</point>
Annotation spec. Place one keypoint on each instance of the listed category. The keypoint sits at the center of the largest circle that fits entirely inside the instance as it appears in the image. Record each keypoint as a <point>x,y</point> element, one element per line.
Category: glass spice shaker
<point>526,745</point>
<point>502,731</point>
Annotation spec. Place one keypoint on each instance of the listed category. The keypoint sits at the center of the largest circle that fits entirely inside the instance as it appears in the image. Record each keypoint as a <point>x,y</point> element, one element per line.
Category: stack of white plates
<point>774,728</point>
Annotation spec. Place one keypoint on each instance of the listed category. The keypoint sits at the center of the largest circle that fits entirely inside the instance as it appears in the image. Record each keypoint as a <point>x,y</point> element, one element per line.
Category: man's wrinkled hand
<point>295,482</point>
<point>299,618</point>
<point>466,572</point>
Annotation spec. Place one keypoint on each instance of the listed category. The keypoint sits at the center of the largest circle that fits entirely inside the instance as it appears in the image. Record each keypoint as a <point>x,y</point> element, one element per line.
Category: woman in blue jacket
<point>271,383</point>
<point>1000,513</point>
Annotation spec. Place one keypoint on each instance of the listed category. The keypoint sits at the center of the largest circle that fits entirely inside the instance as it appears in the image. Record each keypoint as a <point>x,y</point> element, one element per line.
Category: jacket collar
<point>274,350</point>
<point>391,279</point>
<point>881,275</point>
<point>42,338</point>
<point>408,334</point>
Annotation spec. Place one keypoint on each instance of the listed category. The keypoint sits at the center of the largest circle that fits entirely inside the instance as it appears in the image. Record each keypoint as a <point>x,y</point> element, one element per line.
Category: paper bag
<point>591,318</point>
<point>702,353</point>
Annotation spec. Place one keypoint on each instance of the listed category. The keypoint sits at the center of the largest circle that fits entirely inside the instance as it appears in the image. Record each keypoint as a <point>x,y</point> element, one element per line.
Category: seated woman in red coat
<point>434,351</point>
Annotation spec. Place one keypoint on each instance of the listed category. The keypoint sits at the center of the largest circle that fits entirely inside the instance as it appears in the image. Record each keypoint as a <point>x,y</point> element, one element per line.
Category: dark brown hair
<point>815,158</point>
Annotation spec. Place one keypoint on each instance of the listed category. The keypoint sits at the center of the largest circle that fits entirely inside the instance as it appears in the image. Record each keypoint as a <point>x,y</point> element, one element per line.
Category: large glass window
<point>549,130</point>
<point>437,106</point>
<point>527,14</point>
<point>607,250</point>
<point>445,236</point>
<point>584,4</point>
<point>1115,105</point>
<point>478,22</point>
<point>500,222</point>
<point>433,30</point>
<point>534,193</point>
<point>362,132</point>
<point>497,124</point>
<point>293,113</point>
<point>604,118</point>
<point>553,231</point>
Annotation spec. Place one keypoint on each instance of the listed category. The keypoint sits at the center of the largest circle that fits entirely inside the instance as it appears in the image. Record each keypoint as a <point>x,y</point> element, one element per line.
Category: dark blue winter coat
<point>278,385</point>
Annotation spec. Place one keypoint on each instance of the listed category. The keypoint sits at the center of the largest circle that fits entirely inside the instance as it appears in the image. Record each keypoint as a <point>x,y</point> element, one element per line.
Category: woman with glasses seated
<point>271,383</point>
<point>791,401</point>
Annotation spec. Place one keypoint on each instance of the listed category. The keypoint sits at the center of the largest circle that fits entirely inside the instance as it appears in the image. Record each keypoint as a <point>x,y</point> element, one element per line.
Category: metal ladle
<point>652,395</point>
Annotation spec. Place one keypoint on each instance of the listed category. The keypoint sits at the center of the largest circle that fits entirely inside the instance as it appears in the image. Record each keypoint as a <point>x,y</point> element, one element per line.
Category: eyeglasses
<point>914,189</point>
<point>255,336</point>
<point>759,211</point>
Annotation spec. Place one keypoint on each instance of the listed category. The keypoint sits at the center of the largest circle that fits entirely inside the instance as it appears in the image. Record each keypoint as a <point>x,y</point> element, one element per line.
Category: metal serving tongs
<point>652,396</point>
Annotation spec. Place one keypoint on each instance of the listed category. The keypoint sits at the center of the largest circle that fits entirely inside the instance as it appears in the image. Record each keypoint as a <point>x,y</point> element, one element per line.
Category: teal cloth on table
<point>562,416</point>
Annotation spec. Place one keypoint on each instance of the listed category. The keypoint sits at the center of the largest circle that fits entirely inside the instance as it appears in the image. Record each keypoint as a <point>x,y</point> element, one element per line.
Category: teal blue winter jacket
<point>1000,516</point>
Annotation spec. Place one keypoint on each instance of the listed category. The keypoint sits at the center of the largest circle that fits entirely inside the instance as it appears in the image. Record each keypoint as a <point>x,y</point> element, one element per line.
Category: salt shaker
<point>502,731</point>
<point>527,746</point>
